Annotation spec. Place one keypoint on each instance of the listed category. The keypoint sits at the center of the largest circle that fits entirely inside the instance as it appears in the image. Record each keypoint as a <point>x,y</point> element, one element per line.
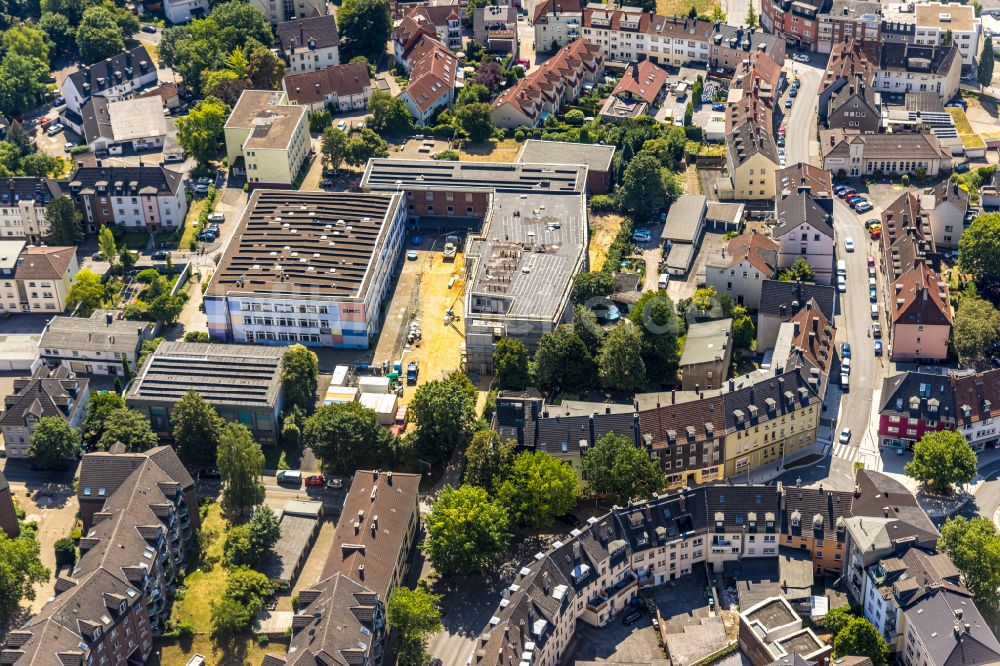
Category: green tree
<point>300,378</point>
<point>476,92</point>
<point>563,360</point>
<point>27,40</point>
<point>237,63</point>
<point>389,114</point>
<point>365,26</point>
<point>616,466</point>
<point>751,16</point>
<point>444,414</point>
<point>860,637</point>
<point>476,120</point>
<point>100,405</point>
<point>838,618</point>
<point>974,546</point>
<point>241,463</point>
<point>99,36</point>
<point>984,70</point>
<point>592,284</point>
<point>22,82</point>
<point>196,430</point>
<point>240,23</point>
<point>65,552</point>
<point>619,363</point>
<point>17,135</point>
<point>223,84</point>
<point>106,243</point>
<point>250,543</point>
<point>248,587</point>
<point>266,70</point>
<point>20,570</point>
<point>166,307</point>
<point>348,437</point>
<point>65,222</point>
<point>942,459</point>
<point>362,148</point>
<point>54,444</point>
<point>655,316</point>
<point>230,617</point>
<point>59,31</point>
<point>129,428</point>
<point>40,165</point>
<point>196,336</point>
<point>145,349</point>
<point>646,186</point>
<point>334,146</point>
<point>487,459</point>
<point>800,271</point>
<point>510,364</point>
<point>87,293</point>
<point>415,614</point>
<point>465,530</point>
<point>538,488</point>
<point>587,328</point>
<point>979,252</point>
<point>975,330</point>
<point>744,335</point>
<point>200,132</point>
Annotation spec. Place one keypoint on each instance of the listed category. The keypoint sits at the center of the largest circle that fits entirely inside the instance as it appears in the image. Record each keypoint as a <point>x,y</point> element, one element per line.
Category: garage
<point>19,353</point>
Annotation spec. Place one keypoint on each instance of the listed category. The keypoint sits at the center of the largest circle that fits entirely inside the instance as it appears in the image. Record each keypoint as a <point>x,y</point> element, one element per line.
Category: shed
<point>384,405</point>
<point>374,385</point>
<point>339,395</point>
<point>340,375</point>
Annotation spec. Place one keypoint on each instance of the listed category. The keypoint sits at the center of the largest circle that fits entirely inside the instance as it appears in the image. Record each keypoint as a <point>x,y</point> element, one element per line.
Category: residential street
<point>800,124</point>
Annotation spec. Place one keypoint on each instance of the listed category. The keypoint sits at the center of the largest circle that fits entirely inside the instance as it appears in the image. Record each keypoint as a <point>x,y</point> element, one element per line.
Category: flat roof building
<point>596,157</point>
<point>309,267</point>
<point>267,138</point>
<point>242,383</point>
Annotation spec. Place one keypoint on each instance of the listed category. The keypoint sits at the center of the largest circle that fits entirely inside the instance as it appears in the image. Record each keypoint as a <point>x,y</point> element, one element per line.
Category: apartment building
<point>914,404</point>
<point>103,344</point>
<point>851,62</point>
<point>741,267</point>
<point>495,27</point>
<point>919,314</point>
<point>48,392</point>
<point>434,76</point>
<point>813,521</point>
<point>373,543</point>
<point>849,20</point>
<point>22,208</point>
<point>751,160</point>
<point>941,24</point>
<point>946,207</point>
<point>804,229</point>
<point>556,23</point>
<point>977,407</point>
<point>308,44</point>
<point>807,340</point>
<point>114,78</point>
<point>781,301</point>
<point>280,11</point>
<point>283,280</point>
<point>797,22</point>
<point>852,154</point>
<point>771,631</point>
<point>35,279</point>
<point>242,383</point>
<point>559,80</point>
<point>446,19</point>
<point>267,138</point>
<point>341,88</point>
<point>905,67</point>
<point>705,362</point>
<point>147,198</point>
<point>635,94</point>
<point>926,643</point>
<point>855,107</point>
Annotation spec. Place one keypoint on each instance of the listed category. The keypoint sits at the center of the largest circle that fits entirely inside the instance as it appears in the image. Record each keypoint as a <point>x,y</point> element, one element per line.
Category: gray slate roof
<point>774,294</point>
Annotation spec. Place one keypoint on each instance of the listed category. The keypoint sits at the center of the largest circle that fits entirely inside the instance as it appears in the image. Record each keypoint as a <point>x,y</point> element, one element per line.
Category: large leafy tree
<point>619,363</point>
<point>129,428</point>
<point>87,292</point>
<point>250,543</point>
<point>976,329</point>
<point>616,466</point>
<point>106,243</point>
<point>799,271</point>
<point>942,459</point>
<point>224,84</point>
<point>743,329</point>
<point>27,40</point>
<point>592,284</point>
<point>99,407</point>
<point>838,618</point>
<point>389,114</point>
<point>54,443</point>
<point>362,148</point>
<point>476,120</point>
<point>587,328</point>
<point>444,413</point>
<point>65,222</point>
<point>655,316</point>
<point>200,131</point>
<point>365,26</point>
<point>265,69</point>
<point>20,570</point>
<point>415,614</point>
<point>300,378</point>
<point>466,531</point>
<point>979,251</point>
<point>59,30</point>
<point>22,81</point>
<point>333,145</point>
<point>99,36</point>
<point>538,488</point>
<point>510,364</point>
<point>860,637</point>
<point>974,546</point>
<point>563,360</point>
<point>241,463</point>
<point>196,430</point>
<point>646,186</point>
<point>487,459</point>
<point>348,437</point>
<point>984,70</point>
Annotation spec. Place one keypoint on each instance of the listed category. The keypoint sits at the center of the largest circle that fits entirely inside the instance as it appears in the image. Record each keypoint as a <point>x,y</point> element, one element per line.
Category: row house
<point>753,91</point>
<point>977,406</point>
<point>807,340</point>
<point>114,78</point>
<point>855,107</point>
<point>740,268</point>
<point>138,198</point>
<point>905,68</point>
<point>751,161</point>
<point>22,208</point>
<point>851,62</point>
<point>35,278</point>
<point>342,88</point>
<point>781,301</point>
<point>813,522</point>
<point>850,20</point>
<point>804,230</point>
<point>559,80</point>
<point>795,21</point>
<point>308,44</point>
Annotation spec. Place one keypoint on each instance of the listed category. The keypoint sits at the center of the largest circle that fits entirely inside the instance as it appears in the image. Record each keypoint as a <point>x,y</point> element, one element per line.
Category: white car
<point>849,244</point>
<point>342,125</point>
<point>845,435</point>
<point>845,365</point>
<point>800,57</point>
<point>841,284</point>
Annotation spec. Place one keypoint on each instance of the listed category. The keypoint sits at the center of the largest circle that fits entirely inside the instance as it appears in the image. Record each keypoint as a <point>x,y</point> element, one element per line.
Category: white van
<point>292,477</point>
<point>841,267</point>
<point>661,284</point>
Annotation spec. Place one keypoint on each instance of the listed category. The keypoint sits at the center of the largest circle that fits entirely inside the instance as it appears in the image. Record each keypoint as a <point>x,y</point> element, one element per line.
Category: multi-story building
<point>807,340</point>
<point>850,20</point>
<point>103,344</point>
<point>742,266</point>
<point>117,77</point>
<point>812,520</point>
<point>635,94</point>
<point>850,62</point>
<point>771,630</point>
<point>434,76</point>
<point>919,314</point>
<point>704,364</point>
<point>853,155</point>
<point>977,407</point>
<point>113,126</point>
<point>309,267</point>
<point>556,23</point>
<point>952,23</point>
<point>280,11</point>
<point>945,206</point>
<point>242,383</point>
<point>945,609</point>
<point>308,44</point>
<point>22,208</point>
<point>8,513</point>
<point>598,159</point>
<point>914,404</point>
<point>751,160</point>
<point>909,67</point>
<point>139,198</point>
<point>341,88</point>
<point>797,22</point>
<point>495,27</point>
<point>804,230</point>
<point>35,279</point>
<point>780,301</point>
<point>855,107</point>
<point>182,11</point>
<point>48,392</point>
<point>446,19</point>
<point>559,80</point>
<point>267,138</point>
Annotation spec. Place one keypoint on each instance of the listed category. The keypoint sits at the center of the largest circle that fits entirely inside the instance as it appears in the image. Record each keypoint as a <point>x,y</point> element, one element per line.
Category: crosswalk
<point>849,452</point>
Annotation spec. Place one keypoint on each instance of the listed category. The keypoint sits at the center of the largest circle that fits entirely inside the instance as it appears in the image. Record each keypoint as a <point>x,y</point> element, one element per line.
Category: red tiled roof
<point>312,87</point>
<point>922,298</point>
<point>551,78</point>
<point>433,68</point>
<point>644,80</point>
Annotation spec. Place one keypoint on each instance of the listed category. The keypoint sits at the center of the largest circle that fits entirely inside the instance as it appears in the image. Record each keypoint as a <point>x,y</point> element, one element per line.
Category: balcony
<point>600,600</point>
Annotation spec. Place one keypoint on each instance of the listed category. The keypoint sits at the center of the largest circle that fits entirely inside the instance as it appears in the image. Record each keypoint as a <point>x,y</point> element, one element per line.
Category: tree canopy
<point>365,26</point>
<point>128,427</point>
<point>563,360</point>
<point>619,363</point>
<point>860,637</point>
<point>348,437</point>
<point>976,329</point>
<point>444,413</point>
<point>510,364</point>
<point>22,82</point>
<point>799,271</point>
<point>415,614</point>
<point>250,543</point>
<point>20,570</point>
<point>200,132</point>
<point>592,284</point>
<point>54,444</point>
<point>979,252</point>
<point>65,222</point>
<point>241,463</point>
<point>538,488</point>
<point>942,459</point>
<point>466,531</point>
<point>196,432</point>
<point>646,186</point>
<point>616,466</point>
<point>487,459</point>
<point>300,378</point>
<point>99,36</point>
<point>987,60</point>
<point>655,316</point>
<point>389,114</point>
<point>974,546</point>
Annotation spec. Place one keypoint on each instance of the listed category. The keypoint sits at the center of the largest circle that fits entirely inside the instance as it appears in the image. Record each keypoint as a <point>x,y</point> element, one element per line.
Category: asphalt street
<point>800,120</point>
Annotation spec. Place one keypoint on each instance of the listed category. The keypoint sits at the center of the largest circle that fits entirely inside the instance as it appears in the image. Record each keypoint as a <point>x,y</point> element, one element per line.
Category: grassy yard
<point>173,652</point>
<point>191,222</point>
<point>209,581</point>
<point>682,7</point>
<point>490,151</point>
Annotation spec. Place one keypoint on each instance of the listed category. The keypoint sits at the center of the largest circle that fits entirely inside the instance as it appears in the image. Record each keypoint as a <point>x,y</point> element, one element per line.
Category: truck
<point>450,247</point>
<point>412,370</point>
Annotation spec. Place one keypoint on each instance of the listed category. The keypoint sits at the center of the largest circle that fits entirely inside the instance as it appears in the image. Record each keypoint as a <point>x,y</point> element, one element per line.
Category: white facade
<point>945,83</point>
<point>811,244</point>
<point>182,11</point>
<point>936,23</point>
<point>741,281</point>
<point>947,221</point>
<point>303,60</point>
<point>560,27</point>
<point>279,11</point>
<point>25,220</point>
<point>75,98</point>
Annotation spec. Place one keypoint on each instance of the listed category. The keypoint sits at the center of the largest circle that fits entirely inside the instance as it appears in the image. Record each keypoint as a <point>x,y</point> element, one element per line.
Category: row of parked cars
<point>853,199</point>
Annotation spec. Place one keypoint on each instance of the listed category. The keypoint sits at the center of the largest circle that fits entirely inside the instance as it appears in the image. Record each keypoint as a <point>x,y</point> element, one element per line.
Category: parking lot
<point>616,642</point>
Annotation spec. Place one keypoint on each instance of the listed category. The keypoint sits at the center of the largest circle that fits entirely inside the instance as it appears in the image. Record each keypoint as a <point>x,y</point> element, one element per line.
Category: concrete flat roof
<point>595,156</point>
<point>385,174</point>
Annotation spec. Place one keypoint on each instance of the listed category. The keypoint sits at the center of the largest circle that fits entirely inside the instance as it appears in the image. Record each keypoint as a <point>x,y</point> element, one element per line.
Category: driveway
<point>614,642</point>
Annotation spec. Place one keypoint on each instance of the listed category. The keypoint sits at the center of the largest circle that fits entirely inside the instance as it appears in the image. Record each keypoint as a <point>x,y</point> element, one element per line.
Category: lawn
<point>191,222</point>
<point>682,7</point>
<point>230,653</point>
<point>209,581</point>
<point>490,151</point>
<point>135,240</point>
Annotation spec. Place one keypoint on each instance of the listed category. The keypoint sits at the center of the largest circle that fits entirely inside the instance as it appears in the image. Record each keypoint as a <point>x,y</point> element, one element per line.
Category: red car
<point>315,480</point>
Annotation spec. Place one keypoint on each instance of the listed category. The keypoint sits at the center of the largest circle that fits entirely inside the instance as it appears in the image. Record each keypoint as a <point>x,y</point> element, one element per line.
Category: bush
<point>575,117</point>
<point>147,276</point>
<point>184,629</point>
<point>603,202</point>
<point>519,135</point>
<point>79,150</point>
<point>65,552</point>
<point>449,154</point>
<point>319,121</point>
<point>443,131</point>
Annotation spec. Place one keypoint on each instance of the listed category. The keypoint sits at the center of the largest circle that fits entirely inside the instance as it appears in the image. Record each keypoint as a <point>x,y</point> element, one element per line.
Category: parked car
<point>68,146</point>
<point>631,617</point>
<point>840,189</point>
<point>789,102</point>
<point>874,311</point>
<point>326,182</point>
<point>872,295</point>
<point>876,330</point>
<point>59,101</point>
<point>642,235</point>
<point>845,365</point>
<point>217,218</point>
<point>793,92</point>
<point>850,199</point>
<point>845,382</point>
<point>781,142</point>
<point>871,260</point>
<point>335,483</point>
<point>412,255</point>
<point>800,57</point>
<point>872,222</point>
<point>878,347</point>
<point>149,28</point>
<point>54,129</point>
<point>342,125</point>
<point>847,193</point>
<point>291,477</point>
<point>173,157</point>
<point>210,474</point>
<point>315,480</point>
<point>863,207</point>
<point>841,284</point>
<point>849,244</point>
<point>845,350</point>
<point>718,106</point>
<point>160,255</point>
